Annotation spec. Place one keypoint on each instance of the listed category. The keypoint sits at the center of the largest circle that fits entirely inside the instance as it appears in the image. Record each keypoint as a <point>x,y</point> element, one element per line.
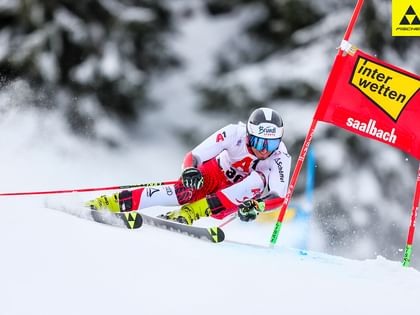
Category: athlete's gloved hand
<point>192,178</point>
<point>249,209</point>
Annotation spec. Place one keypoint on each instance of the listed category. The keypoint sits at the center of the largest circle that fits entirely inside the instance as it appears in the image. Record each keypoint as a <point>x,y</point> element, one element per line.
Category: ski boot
<point>189,212</point>
<point>105,202</point>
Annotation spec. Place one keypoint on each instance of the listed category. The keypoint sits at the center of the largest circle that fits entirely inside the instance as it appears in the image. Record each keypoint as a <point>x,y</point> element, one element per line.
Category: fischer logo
<point>267,131</point>
<point>370,128</point>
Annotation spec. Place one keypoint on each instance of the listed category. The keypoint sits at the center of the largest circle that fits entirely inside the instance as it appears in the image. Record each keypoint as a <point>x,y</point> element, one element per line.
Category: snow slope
<point>54,263</point>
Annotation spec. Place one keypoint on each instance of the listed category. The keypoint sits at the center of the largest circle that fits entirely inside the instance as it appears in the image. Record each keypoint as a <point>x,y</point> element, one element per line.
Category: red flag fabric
<point>374,99</point>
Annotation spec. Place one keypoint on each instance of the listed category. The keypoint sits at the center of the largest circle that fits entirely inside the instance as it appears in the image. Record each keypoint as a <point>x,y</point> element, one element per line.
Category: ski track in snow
<point>55,263</point>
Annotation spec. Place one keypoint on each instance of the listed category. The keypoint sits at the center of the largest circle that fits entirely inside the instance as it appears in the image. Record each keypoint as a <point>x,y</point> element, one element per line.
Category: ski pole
<point>233,217</point>
<point>86,189</point>
<point>409,244</point>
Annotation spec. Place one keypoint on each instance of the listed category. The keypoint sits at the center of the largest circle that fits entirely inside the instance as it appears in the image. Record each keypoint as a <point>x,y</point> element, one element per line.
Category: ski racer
<point>243,168</point>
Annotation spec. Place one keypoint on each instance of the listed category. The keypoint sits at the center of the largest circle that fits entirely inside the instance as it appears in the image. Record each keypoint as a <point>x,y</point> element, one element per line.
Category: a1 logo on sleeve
<point>221,136</point>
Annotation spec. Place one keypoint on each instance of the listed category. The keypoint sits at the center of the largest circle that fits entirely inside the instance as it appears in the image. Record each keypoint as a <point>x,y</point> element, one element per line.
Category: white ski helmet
<point>264,129</point>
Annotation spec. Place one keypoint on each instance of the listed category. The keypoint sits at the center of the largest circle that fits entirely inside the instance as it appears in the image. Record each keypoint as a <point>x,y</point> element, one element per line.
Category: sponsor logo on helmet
<point>267,131</point>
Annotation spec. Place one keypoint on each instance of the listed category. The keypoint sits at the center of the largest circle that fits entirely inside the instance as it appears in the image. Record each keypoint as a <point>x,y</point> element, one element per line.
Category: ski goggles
<point>259,144</point>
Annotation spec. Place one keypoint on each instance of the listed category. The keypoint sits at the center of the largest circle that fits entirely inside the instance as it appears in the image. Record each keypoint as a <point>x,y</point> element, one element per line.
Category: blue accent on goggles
<point>259,144</point>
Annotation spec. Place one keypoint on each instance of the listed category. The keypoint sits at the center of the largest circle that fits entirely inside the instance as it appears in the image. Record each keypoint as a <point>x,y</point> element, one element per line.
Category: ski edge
<point>213,234</point>
<point>127,220</point>
<point>134,220</point>
<point>124,220</point>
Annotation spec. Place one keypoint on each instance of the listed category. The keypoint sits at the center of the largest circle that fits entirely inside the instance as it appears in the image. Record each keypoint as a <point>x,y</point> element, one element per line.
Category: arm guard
<point>189,161</point>
<point>272,201</point>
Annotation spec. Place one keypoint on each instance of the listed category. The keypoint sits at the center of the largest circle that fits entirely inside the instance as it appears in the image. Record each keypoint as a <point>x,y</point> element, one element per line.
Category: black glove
<point>249,209</point>
<point>192,178</point>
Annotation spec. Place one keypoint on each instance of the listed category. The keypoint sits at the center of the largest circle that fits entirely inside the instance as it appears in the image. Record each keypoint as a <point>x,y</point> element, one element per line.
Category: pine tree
<point>88,57</point>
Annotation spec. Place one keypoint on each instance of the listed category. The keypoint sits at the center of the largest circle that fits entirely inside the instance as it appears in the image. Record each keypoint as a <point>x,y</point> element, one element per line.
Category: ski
<point>125,220</point>
<point>130,220</point>
<point>134,220</point>
<point>212,234</point>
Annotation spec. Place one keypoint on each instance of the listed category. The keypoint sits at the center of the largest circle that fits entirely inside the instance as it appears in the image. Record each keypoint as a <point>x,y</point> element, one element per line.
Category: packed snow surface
<point>55,263</point>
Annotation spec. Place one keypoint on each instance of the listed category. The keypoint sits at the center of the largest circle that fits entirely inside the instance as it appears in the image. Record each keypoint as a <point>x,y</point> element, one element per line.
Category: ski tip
<point>217,235</point>
<point>132,220</point>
